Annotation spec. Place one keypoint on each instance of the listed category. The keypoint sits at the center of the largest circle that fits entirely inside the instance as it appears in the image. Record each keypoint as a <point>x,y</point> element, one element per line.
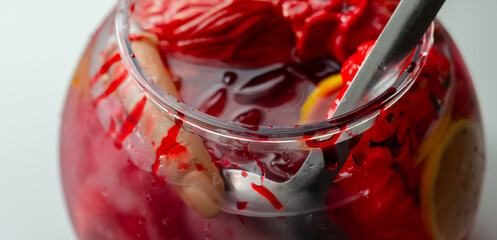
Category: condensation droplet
<point>207,227</point>
<point>105,192</point>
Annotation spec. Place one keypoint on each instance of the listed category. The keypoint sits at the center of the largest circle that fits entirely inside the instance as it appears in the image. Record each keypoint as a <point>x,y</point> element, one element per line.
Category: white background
<point>40,44</point>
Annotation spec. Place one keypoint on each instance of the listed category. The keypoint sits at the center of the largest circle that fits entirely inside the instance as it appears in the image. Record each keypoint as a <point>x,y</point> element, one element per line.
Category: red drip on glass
<point>241,205</point>
<point>112,87</point>
<point>169,147</point>
<point>105,68</point>
<point>263,191</point>
<point>130,122</point>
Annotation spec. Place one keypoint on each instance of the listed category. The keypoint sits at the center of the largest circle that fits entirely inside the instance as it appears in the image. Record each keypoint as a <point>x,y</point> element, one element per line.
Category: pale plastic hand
<point>200,190</point>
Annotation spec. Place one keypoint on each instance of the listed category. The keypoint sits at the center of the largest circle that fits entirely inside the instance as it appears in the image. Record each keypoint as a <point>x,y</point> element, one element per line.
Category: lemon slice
<point>451,181</point>
<point>318,99</point>
<point>436,136</point>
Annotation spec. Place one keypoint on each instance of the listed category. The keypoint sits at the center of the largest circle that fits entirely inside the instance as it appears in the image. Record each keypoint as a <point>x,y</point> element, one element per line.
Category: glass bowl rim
<point>206,125</point>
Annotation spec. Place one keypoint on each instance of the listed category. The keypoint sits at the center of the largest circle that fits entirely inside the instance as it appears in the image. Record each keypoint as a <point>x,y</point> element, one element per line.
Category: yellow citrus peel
<point>325,88</point>
<point>451,181</point>
<point>434,138</point>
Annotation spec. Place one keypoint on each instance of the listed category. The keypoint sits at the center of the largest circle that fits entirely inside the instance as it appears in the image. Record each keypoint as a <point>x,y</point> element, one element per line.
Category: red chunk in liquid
<point>252,117</point>
<point>214,105</point>
<point>269,90</point>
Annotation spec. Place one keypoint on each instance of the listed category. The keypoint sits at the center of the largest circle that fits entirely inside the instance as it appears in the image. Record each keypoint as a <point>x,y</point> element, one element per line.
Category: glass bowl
<point>170,95</point>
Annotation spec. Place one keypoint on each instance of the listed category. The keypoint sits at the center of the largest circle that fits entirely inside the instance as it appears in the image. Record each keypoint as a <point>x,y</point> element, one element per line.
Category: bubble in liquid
<point>105,192</point>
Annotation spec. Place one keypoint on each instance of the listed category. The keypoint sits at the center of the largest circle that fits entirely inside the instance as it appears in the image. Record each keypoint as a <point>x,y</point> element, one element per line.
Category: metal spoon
<point>305,192</point>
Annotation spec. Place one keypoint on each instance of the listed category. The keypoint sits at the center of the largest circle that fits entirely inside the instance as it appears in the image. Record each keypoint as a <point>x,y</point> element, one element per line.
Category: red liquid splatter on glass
<point>130,122</point>
<point>263,191</point>
<point>226,163</point>
<point>169,147</point>
<point>105,68</point>
<point>257,160</point>
<point>112,87</point>
<point>241,205</point>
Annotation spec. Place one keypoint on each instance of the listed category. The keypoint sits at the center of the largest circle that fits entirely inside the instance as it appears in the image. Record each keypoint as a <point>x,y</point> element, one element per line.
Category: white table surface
<point>40,44</point>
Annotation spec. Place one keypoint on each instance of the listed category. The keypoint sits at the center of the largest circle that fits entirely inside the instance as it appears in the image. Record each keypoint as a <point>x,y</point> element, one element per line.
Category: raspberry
<point>386,212</point>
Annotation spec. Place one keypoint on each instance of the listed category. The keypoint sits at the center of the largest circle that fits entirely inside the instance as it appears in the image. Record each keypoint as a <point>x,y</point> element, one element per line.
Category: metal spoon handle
<point>307,189</point>
<point>399,37</point>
